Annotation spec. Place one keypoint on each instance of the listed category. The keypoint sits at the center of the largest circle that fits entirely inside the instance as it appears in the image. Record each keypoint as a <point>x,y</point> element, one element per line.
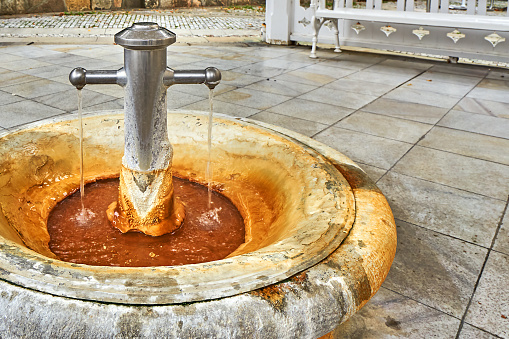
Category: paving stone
<point>465,143</point>
<point>373,172</point>
<point>460,214</point>
<point>36,88</point>
<point>281,87</point>
<point>368,149</point>
<point>223,108</point>
<point>438,87</point>
<point>251,98</point>
<point>307,78</point>
<point>502,241</point>
<point>258,69</point>
<point>339,98</point>
<point>486,107</point>
<point>335,72</point>
<point>68,100</point>
<point>490,306</point>
<point>456,171</point>
<point>459,69</point>
<point>311,110</point>
<point>25,111</point>
<point>451,268</point>
<point>380,78</point>
<point>176,99</point>
<point>385,126</point>
<point>476,123</point>
<point>357,86</point>
<point>489,94</point>
<point>238,79</point>
<point>410,64</point>
<point>470,332</point>
<point>391,315</point>
<point>461,78</point>
<point>423,97</point>
<point>7,98</point>
<point>306,127</point>
<point>406,110</point>
<point>12,78</point>
<point>394,69</point>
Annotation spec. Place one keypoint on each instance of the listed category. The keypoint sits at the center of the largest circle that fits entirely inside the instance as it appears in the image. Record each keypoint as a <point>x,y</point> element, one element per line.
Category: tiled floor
<point>434,136</point>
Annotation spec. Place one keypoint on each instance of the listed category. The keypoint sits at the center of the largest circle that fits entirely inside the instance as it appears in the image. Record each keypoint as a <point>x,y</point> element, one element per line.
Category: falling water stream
<point>208,174</point>
<point>80,118</point>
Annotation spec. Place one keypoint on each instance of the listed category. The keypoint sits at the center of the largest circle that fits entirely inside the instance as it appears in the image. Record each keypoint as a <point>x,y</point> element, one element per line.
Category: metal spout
<point>145,78</point>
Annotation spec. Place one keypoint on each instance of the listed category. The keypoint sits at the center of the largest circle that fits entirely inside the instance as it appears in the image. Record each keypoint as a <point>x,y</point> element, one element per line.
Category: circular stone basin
<point>320,236</point>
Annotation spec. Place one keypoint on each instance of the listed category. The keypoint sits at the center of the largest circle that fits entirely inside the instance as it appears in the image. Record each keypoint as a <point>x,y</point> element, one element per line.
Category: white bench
<point>404,15</point>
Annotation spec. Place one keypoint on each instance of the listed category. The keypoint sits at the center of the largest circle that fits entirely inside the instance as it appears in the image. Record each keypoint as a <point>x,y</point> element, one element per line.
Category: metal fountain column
<point>146,201</point>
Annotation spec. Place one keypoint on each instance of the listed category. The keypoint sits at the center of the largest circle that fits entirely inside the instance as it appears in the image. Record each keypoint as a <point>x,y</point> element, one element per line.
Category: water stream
<point>208,173</point>
<point>80,118</point>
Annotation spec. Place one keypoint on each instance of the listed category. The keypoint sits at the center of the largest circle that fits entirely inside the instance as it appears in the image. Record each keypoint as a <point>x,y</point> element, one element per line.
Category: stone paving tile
<point>502,85</point>
<point>470,332</point>
<point>476,123</point>
<point>423,97</point>
<point>385,126</point>
<point>502,241</point>
<point>311,110</point>
<point>7,98</point>
<point>469,144</point>
<point>369,149</point>
<point>179,99</point>
<point>451,267</point>
<point>391,315</point>
<point>238,79</point>
<point>111,90</point>
<point>394,70</point>
<point>486,107</point>
<point>459,69</point>
<point>64,59</point>
<point>335,72</point>
<point>348,64</point>
<point>284,64</point>
<point>12,78</point>
<point>456,171</point>
<point>463,215</point>
<point>460,79</point>
<point>307,78</point>
<point>406,110</point>
<point>31,52</point>
<point>357,86</point>
<point>498,74</point>
<point>4,57</point>
<point>22,112</point>
<point>117,104</point>
<point>379,78</point>
<point>252,98</point>
<point>410,64</point>
<point>373,172</point>
<point>222,64</point>
<point>306,127</point>
<point>202,90</point>
<point>489,94</point>
<point>339,98</point>
<point>490,306</point>
<point>258,69</point>
<point>438,87</point>
<point>68,100</point>
<point>281,87</point>
<point>36,88</point>
<point>23,64</point>
<point>222,108</point>
<point>48,71</point>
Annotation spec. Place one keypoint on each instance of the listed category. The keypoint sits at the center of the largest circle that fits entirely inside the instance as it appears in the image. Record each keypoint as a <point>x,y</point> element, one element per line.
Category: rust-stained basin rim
<point>315,209</point>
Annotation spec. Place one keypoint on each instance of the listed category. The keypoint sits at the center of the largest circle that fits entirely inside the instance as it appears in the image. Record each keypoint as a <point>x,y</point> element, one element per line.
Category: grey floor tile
<point>307,78</point>
<point>67,100</point>
<point>258,69</point>
<point>471,70</point>
<point>357,86</point>
<point>379,78</point>
<point>470,144</point>
<point>373,172</point>
<point>201,90</point>
<point>471,332</point>
<point>423,97</point>
<point>385,126</point>
<point>463,215</point>
<point>36,88</point>
<point>311,110</point>
<point>281,87</point>
<point>456,90</point>
<point>490,306</point>
<point>502,241</point>
<point>461,78</point>
<point>24,64</point>
<point>32,51</point>
<point>12,78</point>
<point>394,69</point>
<point>390,315</point>
<point>251,98</point>
<point>306,127</point>
<point>238,79</point>
<point>5,57</point>
<point>498,74</point>
<point>64,59</point>
<point>23,112</point>
<point>473,175</point>
<point>111,90</point>
<point>489,94</point>
<point>283,64</point>
<point>406,110</point>
<point>348,64</point>
<point>411,64</point>
<point>451,268</point>
<point>223,108</point>
<point>365,148</point>
<point>486,107</point>
<point>176,99</point>
<point>339,98</point>
<point>335,72</point>
<point>498,84</point>
<point>7,98</point>
<point>117,104</point>
<point>48,71</point>
<point>221,64</point>
<point>477,123</point>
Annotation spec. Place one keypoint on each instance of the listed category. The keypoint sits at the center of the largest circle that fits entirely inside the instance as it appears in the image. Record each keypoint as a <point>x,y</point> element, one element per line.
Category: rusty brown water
<point>207,234</point>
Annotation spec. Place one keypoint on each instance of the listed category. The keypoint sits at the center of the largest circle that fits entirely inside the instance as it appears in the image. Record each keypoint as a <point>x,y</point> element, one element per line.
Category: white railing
<point>401,25</point>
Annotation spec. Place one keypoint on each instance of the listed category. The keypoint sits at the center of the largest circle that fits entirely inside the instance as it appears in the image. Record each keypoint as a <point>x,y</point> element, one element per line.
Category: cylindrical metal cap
<point>145,35</point>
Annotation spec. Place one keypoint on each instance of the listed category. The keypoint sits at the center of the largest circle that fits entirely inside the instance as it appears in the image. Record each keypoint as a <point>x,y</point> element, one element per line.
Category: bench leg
<point>317,24</point>
<point>335,30</point>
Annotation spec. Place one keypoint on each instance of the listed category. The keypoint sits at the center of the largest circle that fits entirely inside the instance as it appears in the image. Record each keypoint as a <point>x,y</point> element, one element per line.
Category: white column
<point>278,18</point>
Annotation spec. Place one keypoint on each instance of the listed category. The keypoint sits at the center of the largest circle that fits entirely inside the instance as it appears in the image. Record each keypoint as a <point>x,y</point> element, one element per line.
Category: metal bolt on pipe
<point>146,201</point>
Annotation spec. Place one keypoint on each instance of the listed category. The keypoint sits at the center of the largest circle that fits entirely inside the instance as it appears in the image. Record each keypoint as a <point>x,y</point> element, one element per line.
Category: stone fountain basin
<point>320,236</point>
